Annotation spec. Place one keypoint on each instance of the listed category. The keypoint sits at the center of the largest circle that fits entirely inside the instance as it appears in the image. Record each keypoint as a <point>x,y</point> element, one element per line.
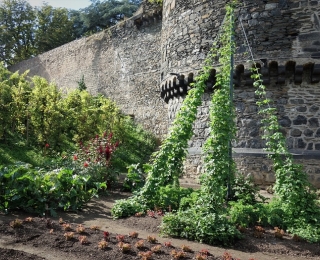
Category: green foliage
<point>135,178</point>
<point>128,207</point>
<point>203,225</point>
<point>41,117</point>
<point>16,31</point>
<point>187,202</point>
<point>82,84</point>
<point>101,15</point>
<point>169,197</point>
<point>247,215</point>
<point>94,157</point>
<point>205,220</point>
<point>39,191</point>
<point>26,31</point>
<point>244,189</point>
<point>159,2</point>
<point>54,29</point>
<point>201,216</point>
<point>136,145</point>
<point>295,195</point>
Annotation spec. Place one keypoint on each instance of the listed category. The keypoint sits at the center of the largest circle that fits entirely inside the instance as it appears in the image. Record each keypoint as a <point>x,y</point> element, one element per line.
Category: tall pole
<point>231,102</point>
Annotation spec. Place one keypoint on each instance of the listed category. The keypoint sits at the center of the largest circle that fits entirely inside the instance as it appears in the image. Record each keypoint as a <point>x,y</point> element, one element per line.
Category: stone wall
<point>147,65</point>
<point>121,62</point>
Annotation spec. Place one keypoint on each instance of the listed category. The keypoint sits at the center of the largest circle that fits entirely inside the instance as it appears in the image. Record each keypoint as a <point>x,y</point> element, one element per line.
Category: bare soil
<point>44,238</point>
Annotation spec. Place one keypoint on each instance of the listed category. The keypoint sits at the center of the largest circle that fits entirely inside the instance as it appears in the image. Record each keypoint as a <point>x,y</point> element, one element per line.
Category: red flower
<point>107,153</point>
<point>86,164</point>
<point>75,157</point>
<point>47,145</point>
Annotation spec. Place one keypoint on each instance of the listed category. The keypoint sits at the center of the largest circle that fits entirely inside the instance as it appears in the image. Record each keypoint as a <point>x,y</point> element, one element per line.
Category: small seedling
<point>124,247</point>
<point>68,235</point>
<point>160,213</point>
<point>186,248</point>
<point>120,238</point>
<point>139,244</point>
<point>151,213</point>
<point>102,244</point>
<point>156,249</point>
<point>145,255</point>
<point>227,256</point>
<point>178,254</point>
<point>278,233</point>
<point>80,229</point>
<point>133,234</point>
<point>67,227</point>
<point>152,239</point>
<point>83,240</point>
<point>259,229</point>
<point>139,214</point>
<point>204,252</point>
<point>95,228</point>
<point>28,219</point>
<point>16,223</point>
<point>167,244</point>
<point>201,257</point>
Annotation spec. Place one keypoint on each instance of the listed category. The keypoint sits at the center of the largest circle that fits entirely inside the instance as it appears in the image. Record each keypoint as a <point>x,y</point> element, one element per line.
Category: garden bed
<point>44,238</point>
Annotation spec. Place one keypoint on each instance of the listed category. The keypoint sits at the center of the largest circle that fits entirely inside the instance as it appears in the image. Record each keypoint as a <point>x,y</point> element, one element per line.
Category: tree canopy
<point>27,31</point>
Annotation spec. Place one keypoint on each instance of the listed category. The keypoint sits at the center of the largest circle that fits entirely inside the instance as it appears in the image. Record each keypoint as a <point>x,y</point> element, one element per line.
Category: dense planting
<point>71,146</point>
<point>206,215</point>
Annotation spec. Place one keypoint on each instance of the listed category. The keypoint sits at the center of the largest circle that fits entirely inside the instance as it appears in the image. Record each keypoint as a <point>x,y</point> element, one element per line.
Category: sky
<point>70,4</point>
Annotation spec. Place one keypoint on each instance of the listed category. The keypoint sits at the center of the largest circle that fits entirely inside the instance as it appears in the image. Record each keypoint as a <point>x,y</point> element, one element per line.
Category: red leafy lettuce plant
<point>145,255</point>
<point>124,247</point>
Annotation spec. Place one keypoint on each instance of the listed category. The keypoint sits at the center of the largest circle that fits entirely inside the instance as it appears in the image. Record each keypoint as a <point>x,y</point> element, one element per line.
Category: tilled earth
<point>45,238</point>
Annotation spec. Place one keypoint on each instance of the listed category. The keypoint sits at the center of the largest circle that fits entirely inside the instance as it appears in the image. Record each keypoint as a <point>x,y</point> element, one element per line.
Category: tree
<point>17,19</point>
<point>101,15</point>
<point>55,28</point>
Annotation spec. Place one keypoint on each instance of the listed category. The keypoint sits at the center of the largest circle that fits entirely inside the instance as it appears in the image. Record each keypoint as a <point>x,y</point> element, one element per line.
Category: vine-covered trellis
<point>207,217</point>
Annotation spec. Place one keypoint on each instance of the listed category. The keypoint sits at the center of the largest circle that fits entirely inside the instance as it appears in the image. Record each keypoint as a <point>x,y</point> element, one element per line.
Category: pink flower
<point>47,145</point>
<point>86,164</point>
<point>75,157</point>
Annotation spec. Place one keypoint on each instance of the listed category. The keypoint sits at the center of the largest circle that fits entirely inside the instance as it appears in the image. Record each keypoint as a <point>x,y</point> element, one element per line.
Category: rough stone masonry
<point>146,65</point>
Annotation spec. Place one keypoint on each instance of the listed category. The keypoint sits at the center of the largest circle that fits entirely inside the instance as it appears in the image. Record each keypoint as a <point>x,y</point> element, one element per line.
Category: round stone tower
<point>284,36</point>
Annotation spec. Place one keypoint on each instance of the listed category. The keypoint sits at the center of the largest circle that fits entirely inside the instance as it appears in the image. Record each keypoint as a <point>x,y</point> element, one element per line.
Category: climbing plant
<point>295,196</point>
<point>167,163</point>
<point>206,215</point>
<point>206,219</point>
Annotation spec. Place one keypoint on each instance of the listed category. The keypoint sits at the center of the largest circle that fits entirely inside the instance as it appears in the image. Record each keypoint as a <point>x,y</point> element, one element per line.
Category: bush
<point>243,188</point>
<point>169,197</point>
<point>40,191</point>
<point>202,226</point>
<point>247,215</point>
<point>135,178</point>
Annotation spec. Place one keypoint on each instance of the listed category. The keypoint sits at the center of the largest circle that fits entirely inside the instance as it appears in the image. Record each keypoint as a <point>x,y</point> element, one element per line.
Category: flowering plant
<point>94,158</point>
